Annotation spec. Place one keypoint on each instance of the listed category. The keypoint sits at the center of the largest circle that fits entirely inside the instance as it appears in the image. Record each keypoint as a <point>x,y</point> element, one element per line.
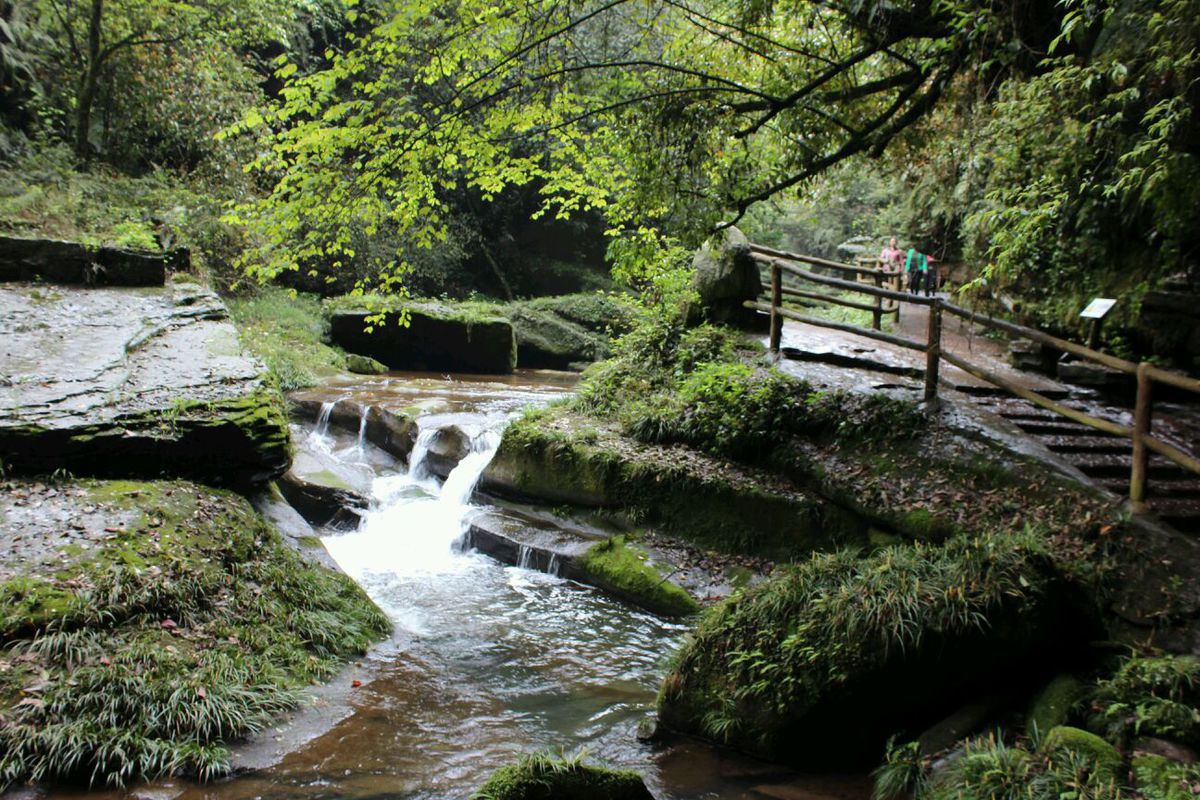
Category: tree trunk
<point>88,83</point>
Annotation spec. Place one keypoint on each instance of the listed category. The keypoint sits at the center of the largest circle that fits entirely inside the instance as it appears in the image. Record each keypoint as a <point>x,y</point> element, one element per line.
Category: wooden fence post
<point>1141,429</point>
<point>776,303</point>
<point>877,314</point>
<point>933,351</point>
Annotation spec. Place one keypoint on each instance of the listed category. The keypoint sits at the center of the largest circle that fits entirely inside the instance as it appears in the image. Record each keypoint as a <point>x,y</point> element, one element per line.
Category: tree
<point>92,35</point>
<point>671,117</point>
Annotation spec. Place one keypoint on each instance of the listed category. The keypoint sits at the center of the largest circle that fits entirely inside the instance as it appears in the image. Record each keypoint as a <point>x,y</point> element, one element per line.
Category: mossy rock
<point>563,332</point>
<point>1053,704</point>
<point>364,365</point>
<point>438,337</point>
<point>819,665</point>
<point>1159,778</point>
<point>624,569</point>
<point>556,458</point>
<point>169,622</point>
<point>1106,758</point>
<point>540,777</point>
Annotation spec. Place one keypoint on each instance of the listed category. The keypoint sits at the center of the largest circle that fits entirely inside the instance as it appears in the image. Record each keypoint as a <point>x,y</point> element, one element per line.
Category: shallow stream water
<point>486,661</point>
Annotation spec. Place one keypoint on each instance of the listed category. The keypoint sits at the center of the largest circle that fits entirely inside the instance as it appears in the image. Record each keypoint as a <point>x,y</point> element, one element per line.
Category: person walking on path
<point>916,264</point>
<point>891,257</point>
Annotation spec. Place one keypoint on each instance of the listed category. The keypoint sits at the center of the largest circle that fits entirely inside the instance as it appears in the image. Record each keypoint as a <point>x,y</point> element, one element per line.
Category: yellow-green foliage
<point>624,566</point>
<point>193,625</point>
<point>288,333</point>
<point>546,777</point>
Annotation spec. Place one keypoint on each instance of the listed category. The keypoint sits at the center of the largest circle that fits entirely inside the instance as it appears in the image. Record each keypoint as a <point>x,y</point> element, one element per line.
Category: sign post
<point>1096,311</point>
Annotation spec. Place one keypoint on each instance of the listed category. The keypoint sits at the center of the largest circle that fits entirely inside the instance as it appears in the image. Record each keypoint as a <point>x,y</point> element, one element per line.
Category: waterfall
<point>525,557</point>
<point>323,417</point>
<point>414,528</point>
<point>362,428</point>
<point>416,459</point>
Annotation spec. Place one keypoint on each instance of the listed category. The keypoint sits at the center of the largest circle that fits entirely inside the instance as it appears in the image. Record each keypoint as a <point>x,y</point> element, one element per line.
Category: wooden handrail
<point>1147,374</point>
<point>825,298</point>
<point>837,326</point>
<point>852,286</point>
<point>1172,378</point>
<point>1036,398</point>
<point>1120,364</point>
<point>771,252</point>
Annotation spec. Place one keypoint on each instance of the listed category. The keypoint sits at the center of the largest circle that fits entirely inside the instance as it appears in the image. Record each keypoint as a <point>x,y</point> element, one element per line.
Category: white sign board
<point>1098,308</point>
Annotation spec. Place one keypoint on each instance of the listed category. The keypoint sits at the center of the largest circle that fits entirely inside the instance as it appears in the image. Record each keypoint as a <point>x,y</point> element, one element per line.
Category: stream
<point>486,661</point>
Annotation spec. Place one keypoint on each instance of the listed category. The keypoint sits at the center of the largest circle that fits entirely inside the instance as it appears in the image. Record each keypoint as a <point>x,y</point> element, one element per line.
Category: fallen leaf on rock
<point>355,684</point>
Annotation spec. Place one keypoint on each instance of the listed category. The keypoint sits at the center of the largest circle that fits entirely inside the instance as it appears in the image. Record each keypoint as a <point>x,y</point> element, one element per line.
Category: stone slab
<point>133,382</point>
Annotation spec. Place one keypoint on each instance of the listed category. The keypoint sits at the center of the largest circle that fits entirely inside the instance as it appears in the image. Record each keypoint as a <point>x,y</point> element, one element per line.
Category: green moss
<point>543,777</point>
<point>1105,757</point>
<point>364,365</point>
<point>192,626</point>
<point>924,525</point>
<point>1053,704</point>
<point>625,567</point>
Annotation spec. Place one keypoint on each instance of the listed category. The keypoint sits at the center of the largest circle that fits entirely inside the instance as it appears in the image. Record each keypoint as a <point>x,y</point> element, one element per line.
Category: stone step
<point>1096,443</point>
<point>1114,465</point>
<point>1181,513</point>
<point>1056,427</point>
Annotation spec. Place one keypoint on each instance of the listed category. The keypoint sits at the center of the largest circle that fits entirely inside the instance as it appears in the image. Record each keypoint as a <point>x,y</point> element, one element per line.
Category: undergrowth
<point>193,627</point>
<point>288,333</point>
<point>773,652</point>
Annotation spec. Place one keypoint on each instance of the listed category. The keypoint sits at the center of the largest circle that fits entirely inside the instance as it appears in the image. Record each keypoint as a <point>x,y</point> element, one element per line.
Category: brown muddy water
<point>487,661</point>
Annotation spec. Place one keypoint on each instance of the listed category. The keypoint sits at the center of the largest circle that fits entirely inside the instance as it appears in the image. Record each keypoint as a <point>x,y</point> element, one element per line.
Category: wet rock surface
<point>133,382</point>
<point>323,505</point>
<point>392,430</point>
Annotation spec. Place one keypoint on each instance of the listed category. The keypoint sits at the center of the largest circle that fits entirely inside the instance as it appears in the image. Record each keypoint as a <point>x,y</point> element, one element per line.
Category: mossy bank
<point>148,625</point>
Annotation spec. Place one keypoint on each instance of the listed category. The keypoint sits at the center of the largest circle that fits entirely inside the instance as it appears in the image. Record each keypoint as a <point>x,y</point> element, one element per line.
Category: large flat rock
<point>437,338</point>
<point>133,382</point>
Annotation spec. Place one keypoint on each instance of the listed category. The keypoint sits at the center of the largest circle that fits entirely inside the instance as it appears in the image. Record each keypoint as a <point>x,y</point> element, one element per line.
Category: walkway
<point>1173,494</point>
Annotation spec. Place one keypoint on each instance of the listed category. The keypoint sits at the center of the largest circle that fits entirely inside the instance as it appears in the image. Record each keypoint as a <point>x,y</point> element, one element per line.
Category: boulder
<point>364,365</point>
<point>1053,704</point>
<point>119,382</point>
<point>848,651</point>
<point>726,276</point>
<point>323,505</point>
<point>564,461</point>
<point>616,567</point>
<point>76,263</point>
<point>447,447</point>
<point>438,338</point>
<point>566,331</point>
<point>1105,757</point>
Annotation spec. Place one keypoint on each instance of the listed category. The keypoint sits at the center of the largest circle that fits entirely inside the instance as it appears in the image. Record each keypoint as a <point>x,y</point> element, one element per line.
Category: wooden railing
<point>875,276</point>
<point>1146,374</point>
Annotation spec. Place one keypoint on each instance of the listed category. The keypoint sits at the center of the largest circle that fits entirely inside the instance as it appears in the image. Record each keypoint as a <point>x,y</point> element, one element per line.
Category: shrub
<point>1154,697</point>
